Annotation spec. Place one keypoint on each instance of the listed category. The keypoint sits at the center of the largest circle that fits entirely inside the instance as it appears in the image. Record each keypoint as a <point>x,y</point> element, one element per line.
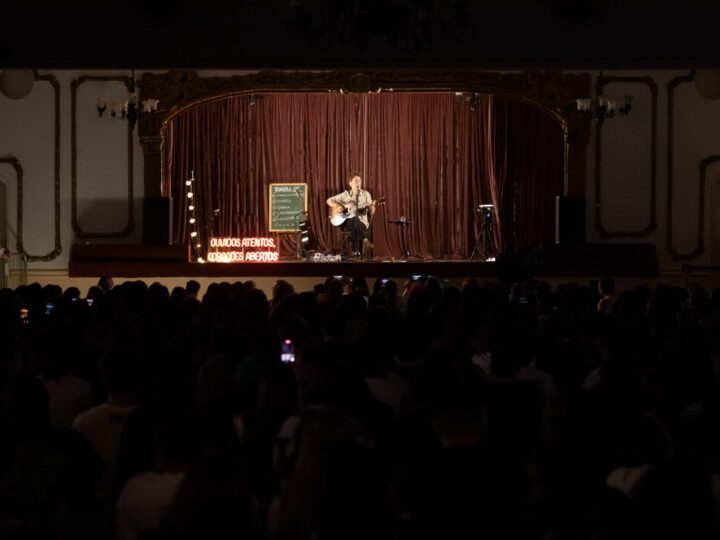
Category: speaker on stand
<point>569,220</point>
<point>157,220</point>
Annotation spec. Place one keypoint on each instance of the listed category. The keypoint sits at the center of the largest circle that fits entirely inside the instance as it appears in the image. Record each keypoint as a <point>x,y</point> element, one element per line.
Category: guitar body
<point>338,216</point>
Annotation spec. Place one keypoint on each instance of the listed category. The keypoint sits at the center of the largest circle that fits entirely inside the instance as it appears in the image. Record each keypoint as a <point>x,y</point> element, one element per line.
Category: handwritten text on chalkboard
<point>287,204</point>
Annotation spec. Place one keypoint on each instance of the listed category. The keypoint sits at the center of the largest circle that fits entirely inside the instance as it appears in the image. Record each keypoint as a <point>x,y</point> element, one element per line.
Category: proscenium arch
<point>552,92</point>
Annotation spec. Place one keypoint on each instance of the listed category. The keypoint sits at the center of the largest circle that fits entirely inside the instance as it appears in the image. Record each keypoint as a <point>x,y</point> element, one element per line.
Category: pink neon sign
<point>251,249</point>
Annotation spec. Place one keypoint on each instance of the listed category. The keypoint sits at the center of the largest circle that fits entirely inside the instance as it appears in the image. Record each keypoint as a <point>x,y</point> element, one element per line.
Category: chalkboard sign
<point>286,202</point>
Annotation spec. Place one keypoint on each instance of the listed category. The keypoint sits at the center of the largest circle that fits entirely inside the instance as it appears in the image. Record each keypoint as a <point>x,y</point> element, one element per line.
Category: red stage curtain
<point>535,165</point>
<point>429,154</point>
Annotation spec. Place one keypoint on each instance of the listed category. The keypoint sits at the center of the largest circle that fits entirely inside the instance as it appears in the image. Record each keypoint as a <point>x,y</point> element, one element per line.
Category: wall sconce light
<point>128,108</point>
<point>602,107</point>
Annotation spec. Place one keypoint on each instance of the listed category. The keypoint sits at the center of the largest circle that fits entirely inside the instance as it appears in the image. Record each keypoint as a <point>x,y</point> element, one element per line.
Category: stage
<point>592,260</point>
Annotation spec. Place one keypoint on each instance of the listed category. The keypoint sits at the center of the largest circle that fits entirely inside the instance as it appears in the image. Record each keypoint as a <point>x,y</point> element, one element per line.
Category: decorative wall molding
<point>52,80</point>
<point>652,225</point>
<point>130,226</point>
<point>552,92</point>
<point>15,163</point>
<point>703,165</point>
<point>700,245</point>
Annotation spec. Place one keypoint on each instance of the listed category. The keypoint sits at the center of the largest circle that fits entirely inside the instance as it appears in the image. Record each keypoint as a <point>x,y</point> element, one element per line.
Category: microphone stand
<point>299,251</point>
<point>403,222</point>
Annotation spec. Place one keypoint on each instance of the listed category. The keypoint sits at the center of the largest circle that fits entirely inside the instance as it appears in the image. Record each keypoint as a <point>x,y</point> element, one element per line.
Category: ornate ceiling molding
<point>552,91</point>
<point>177,90</point>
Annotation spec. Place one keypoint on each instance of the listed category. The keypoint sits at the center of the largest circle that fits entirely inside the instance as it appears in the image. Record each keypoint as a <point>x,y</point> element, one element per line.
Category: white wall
<point>626,168</point>
<point>26,132</point>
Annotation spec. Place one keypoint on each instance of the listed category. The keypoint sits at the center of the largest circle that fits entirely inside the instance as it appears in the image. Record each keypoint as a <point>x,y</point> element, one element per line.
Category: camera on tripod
<point>485,210</point>
<point>486,238</point>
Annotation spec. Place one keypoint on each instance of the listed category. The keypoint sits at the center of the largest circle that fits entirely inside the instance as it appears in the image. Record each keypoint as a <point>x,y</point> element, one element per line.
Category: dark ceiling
<point>246,34</point>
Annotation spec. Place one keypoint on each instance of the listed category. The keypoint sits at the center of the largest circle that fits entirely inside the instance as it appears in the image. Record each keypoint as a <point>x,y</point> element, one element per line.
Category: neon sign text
<point>235,250</point>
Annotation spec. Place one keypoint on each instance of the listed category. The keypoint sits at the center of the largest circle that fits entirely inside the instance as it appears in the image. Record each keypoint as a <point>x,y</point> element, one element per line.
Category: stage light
<point>193,234</point>
<point>191,208</point>
<point>190,195</point>
<point>191,220</point>
<point>188,182</point>
<point>472,99</point>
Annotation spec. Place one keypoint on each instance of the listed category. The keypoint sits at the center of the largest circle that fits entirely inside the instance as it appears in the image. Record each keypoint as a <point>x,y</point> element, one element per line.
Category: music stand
<point>486,235</point>
<point>403,222</point>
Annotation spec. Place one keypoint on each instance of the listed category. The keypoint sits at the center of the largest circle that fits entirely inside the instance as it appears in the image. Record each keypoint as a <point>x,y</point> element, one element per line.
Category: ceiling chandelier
<point>415,24</point>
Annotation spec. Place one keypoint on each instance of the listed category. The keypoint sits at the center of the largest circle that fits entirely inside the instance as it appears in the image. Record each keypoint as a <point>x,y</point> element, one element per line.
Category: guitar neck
<point>380,200</point>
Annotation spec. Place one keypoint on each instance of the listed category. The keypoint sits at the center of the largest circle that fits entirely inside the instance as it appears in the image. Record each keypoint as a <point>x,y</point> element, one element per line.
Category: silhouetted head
<point>25,405</point>
<point>606,285</point>
<point>192,288</point>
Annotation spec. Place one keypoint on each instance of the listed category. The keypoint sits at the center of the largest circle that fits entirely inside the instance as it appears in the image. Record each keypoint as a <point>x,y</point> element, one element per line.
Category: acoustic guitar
<point>341,215</point>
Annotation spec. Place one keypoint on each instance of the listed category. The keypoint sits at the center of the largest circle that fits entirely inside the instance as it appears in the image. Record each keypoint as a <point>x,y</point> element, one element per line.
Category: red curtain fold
<point>536,166</point>
<point>432,156</point>
<point>426,157</point>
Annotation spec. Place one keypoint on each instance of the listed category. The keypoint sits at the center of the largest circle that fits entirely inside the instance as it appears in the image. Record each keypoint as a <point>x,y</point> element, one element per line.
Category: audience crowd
<point>357,410</point>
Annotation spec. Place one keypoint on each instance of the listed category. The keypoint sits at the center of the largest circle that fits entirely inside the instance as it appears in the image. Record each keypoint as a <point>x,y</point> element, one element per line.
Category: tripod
<point>486,236</point>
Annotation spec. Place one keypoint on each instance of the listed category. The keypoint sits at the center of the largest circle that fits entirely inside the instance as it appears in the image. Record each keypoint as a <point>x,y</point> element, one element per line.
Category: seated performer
<point>358,205</point>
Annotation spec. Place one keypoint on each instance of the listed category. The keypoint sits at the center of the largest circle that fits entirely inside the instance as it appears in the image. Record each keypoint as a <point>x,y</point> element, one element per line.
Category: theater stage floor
<point>130,261</point>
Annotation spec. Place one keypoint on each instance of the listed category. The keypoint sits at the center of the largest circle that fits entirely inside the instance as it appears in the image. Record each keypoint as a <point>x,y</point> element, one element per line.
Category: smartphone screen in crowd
<point>287,351</point>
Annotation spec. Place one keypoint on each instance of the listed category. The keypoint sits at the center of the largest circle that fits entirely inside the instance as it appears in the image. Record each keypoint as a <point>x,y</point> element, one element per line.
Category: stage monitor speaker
<point>157,220</point>
<point>569,220</point>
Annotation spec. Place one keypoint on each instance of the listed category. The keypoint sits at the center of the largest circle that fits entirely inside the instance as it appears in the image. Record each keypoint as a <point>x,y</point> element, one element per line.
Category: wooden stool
<point>345,242</point>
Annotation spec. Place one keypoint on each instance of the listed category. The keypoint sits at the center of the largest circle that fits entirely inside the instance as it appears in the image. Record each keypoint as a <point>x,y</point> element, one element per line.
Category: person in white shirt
<point>145,498</point>
<point>354,200</point>
<point>103,425</point>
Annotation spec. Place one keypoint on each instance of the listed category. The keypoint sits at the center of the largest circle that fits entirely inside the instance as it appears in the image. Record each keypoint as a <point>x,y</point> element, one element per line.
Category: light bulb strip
<point>193,237</point>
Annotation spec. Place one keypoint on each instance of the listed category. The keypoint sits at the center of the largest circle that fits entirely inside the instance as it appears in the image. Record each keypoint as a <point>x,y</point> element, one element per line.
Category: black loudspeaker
<point>569,220</point>
<point>157,220</point>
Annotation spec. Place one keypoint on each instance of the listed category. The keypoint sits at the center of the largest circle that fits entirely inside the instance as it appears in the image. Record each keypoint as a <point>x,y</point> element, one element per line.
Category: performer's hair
<point>351,175</point>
